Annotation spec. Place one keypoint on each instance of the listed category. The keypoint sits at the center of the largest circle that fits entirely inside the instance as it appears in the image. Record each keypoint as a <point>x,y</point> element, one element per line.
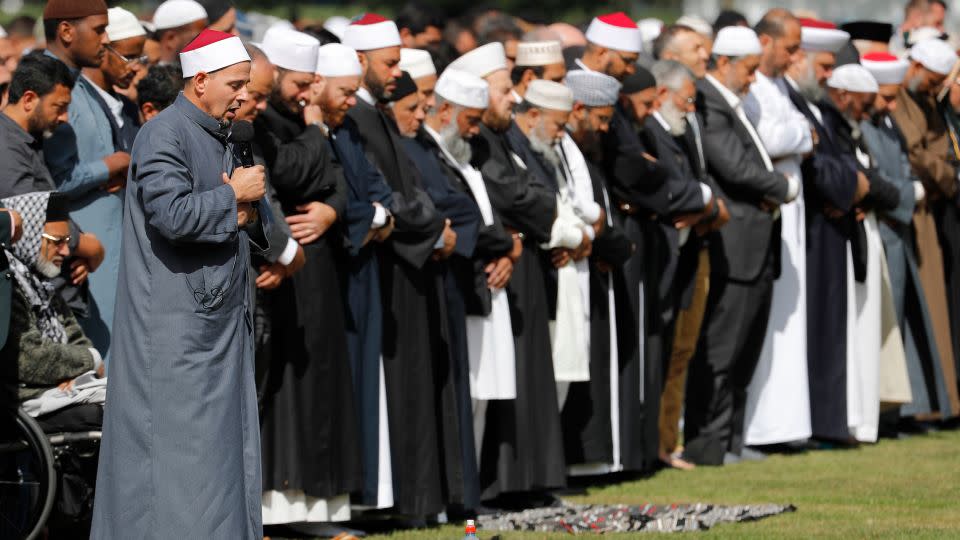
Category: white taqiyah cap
<point>853,78</point>
<point>290,49</point>
<point>821,36</point>
<point>463,89</point>
<point>699,25</point>
<point>592,88</point>
<point>338,60</point>
<point>370,32</point>
<point>123,25</point>
<point>935,55</point>
<point>539,53</point>
<point>210,51</point>
<point>736,41</point>
<point>650,29</point>
<point>176,13</point>
<point>417,62</point>
<point>483,60</point>
<point>885,67</point>
<point>336,25</point>
<point>923,33</point>
<point>615,31</point>
<point>549,95</point>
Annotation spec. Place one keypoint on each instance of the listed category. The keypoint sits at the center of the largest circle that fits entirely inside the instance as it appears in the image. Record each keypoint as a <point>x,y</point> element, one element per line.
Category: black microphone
<point>241,134</point>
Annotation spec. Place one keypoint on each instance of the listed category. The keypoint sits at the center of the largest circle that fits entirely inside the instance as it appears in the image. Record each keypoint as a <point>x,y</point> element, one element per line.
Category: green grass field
<point>896,489</point>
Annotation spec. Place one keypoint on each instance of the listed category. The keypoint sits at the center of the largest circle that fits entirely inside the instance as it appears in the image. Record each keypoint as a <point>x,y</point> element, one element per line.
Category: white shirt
<point>366,96</point>
<point>113,103</point>
<point>737,105</point>
<point>784,130</point>
<point>580,183</point>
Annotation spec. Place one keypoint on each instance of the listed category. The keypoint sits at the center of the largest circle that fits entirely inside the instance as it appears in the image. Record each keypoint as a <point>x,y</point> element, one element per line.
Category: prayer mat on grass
<point>596,519</point>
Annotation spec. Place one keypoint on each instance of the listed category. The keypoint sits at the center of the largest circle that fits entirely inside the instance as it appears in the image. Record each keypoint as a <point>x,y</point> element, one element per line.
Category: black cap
<point>405,87</point>
<point>57,207</point>
<point>638,82</point>
<point>848,54</point>
<point>869,30</point>
<point>216,9</point>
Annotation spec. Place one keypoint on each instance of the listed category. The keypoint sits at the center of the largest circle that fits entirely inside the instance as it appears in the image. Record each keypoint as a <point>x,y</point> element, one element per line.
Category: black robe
<point>308,422</point>
<point>586,414</point>
<point>361,279</point>
<point>464,215</point>
<point>418,380</point>
<point>947,213</point>
<point>829,179</point>
<point>638,189</point>
<point>522,447</point>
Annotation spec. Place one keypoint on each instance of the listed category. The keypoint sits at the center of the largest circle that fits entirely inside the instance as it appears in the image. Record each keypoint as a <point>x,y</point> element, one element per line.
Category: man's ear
<point>29,101</point>
<point>200,82</point>
<point>579,110</point>
<point>528,77</point>
<point>765,40</point>
<point>364,63</point>
<point>66,31</point>
<point>148,111</point>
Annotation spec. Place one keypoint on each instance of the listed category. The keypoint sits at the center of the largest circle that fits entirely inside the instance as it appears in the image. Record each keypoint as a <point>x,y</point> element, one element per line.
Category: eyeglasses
<point>57,240</point>
<point>142,59</point>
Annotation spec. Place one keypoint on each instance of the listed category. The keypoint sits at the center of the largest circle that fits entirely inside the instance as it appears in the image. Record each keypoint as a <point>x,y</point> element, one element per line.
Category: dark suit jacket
<point>735,162</point>
<point>634,180</point>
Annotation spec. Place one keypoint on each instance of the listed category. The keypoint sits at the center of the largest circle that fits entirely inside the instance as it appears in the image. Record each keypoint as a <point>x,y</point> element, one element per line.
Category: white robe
<point>778,398</point>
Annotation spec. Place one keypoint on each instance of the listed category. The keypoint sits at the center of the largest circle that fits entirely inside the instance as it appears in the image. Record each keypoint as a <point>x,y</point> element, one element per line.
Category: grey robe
<point>181,450</point>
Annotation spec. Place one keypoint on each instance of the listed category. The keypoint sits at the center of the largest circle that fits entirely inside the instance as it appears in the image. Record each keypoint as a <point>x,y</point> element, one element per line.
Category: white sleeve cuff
<point>793,188</point>
<point>591,234</point>
<point>13,224</point>
<point>379,217</point>
<point>97,359</point>
<point>590,211</point>
<point>289,252</point>
<point>439,243</point>
<point>707,193</point>
<point>918,191</point>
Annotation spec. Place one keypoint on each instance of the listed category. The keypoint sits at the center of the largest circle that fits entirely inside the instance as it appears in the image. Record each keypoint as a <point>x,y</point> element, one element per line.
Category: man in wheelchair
<point>59,375</point>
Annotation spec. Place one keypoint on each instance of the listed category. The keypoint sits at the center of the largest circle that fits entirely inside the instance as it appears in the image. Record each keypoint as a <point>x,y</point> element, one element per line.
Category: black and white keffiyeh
<point>23,257</point>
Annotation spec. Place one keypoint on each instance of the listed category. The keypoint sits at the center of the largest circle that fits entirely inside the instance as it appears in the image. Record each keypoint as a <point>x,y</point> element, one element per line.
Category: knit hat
<point>73,9</point>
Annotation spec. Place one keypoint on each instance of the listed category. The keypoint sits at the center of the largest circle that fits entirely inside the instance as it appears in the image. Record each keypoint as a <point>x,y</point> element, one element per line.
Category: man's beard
<point>284,104</point>
<point>47,268</point>
<point>675,118</point>
<point>376,87</point>
<point>543,146</point>
<point>809,87</point>
<point>495,121</point>
<point>37,127</point>
<point>589,140</point>
<point>913,85</point>
<point>457,146</point>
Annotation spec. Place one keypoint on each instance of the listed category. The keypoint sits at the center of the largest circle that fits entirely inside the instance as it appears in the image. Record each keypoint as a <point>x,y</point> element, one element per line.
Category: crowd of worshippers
<point>511,253</point>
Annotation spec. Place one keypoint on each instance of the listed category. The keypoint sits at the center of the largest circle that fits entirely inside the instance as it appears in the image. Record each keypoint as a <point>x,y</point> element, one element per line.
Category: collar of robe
<point>202,119</point>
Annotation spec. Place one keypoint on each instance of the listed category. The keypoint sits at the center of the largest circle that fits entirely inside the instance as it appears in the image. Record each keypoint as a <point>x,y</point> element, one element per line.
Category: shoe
<point>749,454</point>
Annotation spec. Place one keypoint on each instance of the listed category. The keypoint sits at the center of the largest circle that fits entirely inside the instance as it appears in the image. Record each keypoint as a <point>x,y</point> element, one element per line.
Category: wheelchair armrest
<point>79,436</point>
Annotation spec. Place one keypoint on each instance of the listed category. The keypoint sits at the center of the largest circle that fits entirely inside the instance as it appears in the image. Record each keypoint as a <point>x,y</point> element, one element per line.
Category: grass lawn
<point>896,489</point>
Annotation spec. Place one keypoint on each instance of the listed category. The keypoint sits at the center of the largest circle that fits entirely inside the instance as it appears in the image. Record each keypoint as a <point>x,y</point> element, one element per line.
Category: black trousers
<point>735,325</point>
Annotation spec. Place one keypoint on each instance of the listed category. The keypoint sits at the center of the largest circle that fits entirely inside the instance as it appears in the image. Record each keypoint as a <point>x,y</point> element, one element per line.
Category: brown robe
<point>927,142</point>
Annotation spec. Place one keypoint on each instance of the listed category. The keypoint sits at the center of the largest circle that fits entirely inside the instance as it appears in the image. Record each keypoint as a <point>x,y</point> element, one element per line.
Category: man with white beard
<point>686,273</point>
<point>778,401</point>
<point>831,187</point>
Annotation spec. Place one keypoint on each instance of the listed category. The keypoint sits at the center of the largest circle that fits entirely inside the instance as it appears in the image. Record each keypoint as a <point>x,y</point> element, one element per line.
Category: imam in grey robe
<point>180,456</point>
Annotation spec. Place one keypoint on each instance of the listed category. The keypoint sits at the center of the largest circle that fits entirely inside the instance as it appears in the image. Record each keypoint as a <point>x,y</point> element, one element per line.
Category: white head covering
<point>338,60</point>
<point>650,29</point>
<point>371,32</point>
<point>698,24</point>
<point>923,33</point>
<point>539,53</point>
<point>417,62</point>
<point>549,95</point>
<point>821,36</point>
<point>483,60</point>
<point>210,51</point>
<point>935,55</point>
<point>853,78</point>
<point>123,25</point>
<point>336,25</point>
<point>615,31</point>
<point>176,13</point>
<point>592,88</point>
<point>290,49</point>
<point>885,67</point>
<point>463,89</point>
<point>736,41</point>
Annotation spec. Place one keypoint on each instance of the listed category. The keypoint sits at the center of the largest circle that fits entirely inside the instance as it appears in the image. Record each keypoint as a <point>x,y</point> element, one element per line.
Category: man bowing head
<point>181,446</point>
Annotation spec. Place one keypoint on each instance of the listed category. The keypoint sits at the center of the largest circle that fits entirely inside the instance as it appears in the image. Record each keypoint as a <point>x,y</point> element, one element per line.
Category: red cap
<point>817,23</point>
<point>880,57</point>
<point>206,37</point>
<point>369,18</point>
<point>618,19</point>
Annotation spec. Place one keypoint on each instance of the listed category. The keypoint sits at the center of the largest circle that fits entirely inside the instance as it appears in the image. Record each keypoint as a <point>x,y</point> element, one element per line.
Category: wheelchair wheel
<point>27,478</point>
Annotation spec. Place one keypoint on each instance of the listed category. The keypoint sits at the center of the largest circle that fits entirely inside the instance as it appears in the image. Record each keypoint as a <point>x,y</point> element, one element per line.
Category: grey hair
<point>440,102</point>
<point>541,33</point>
<point>671,74</point>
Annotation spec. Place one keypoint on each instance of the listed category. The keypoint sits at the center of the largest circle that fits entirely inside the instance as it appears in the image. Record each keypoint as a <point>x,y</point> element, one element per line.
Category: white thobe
<point>778,398</point>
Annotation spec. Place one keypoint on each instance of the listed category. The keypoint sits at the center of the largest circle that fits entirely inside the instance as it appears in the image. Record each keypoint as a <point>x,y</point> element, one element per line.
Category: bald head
<point>779,32</point>
<point>775,22</point>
